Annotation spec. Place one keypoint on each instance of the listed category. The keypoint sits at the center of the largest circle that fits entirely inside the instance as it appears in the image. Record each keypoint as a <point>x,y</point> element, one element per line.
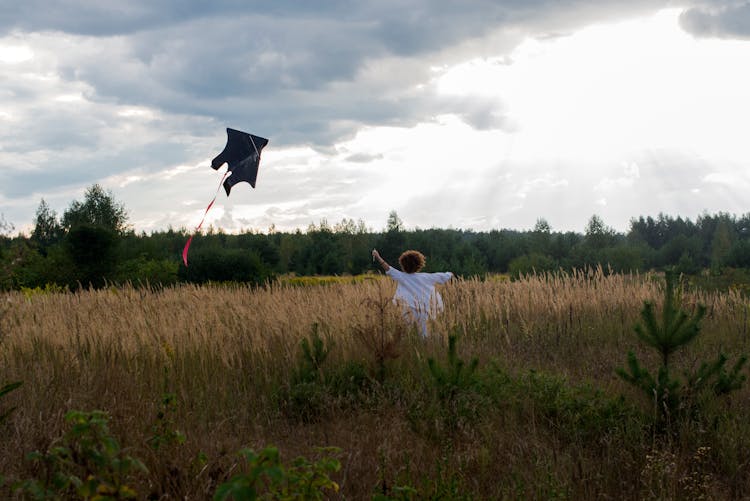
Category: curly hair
<point>411,261</point>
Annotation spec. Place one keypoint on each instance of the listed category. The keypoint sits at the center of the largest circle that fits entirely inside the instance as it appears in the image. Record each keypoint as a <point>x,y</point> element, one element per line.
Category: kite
<point>242,156</point>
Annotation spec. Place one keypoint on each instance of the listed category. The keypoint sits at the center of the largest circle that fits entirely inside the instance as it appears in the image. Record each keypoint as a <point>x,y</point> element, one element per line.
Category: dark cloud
<point>296,67</point>
<point>721,19</point>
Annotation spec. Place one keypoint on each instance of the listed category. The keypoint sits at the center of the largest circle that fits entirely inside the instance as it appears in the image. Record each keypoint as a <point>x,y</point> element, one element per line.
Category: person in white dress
<point>415,291</point>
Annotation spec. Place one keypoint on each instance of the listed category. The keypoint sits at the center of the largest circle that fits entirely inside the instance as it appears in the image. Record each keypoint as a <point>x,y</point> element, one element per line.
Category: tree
<point>5,227</point>
<point>47,230</point>
<point>540,237</point>
<point>672,396</point>
<point>92,250</point>
<point>99,209</point>
<point>531,264</point>
<point>224,265</point>
<point>391,243</point>
<point>599,235</point>
<point>721,243</point>
<point>394,222</point>
<point>542,226</point>
<point>94,229</point>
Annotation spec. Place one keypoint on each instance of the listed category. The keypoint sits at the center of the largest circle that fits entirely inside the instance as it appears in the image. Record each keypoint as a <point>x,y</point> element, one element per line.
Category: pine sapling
<point>455,376</point>
<point>313,354</point>
<point>675,329</point>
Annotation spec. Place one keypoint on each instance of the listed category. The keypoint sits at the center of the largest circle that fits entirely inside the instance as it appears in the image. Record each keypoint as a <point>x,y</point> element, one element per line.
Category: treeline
<point>91,244</point>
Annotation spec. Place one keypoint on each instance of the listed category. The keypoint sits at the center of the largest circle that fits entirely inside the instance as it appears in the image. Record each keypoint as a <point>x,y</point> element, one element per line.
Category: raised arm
<point>376,257</point>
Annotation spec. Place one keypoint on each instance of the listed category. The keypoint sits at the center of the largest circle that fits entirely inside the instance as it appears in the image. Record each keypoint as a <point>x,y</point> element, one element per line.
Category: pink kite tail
<point>187,245</point>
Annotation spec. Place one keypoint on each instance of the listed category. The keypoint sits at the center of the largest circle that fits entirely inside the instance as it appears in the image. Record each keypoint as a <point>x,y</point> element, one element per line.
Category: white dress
<point>416,292</point>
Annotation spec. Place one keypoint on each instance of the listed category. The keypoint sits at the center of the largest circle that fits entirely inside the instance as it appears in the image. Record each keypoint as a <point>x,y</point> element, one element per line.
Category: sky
<point>479,114</point>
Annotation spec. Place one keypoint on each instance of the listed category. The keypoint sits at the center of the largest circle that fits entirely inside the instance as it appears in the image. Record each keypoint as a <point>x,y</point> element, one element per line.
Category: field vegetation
<point>195,391</point>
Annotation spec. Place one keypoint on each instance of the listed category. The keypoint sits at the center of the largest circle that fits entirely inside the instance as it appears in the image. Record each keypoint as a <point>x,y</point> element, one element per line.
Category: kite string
<point>187,245</point>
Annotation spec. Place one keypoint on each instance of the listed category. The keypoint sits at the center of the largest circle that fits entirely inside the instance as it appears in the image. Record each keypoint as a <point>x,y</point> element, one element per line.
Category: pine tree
<point>675,329</point>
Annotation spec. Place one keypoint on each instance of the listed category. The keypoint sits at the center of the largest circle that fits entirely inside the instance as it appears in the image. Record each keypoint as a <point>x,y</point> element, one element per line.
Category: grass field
<point>191,375</point>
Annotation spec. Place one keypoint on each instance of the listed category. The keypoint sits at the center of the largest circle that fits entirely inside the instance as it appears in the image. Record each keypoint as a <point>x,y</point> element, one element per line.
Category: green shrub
<point>215,264</point>
<point>451,397</point>
<point>317,387</point>
<point>87,463</point>
<point>266,477</point>
<point>575,412</point>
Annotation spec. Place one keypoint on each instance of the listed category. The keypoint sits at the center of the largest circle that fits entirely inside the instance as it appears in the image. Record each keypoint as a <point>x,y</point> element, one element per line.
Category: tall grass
<point>228,352</point>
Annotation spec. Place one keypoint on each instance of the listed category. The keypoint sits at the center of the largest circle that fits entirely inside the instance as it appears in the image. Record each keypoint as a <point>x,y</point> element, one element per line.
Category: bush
<point>224,265</point>
<point>88,463</point>
<point>529,264</point>
<point>148,271</point>
<point>266,477</point>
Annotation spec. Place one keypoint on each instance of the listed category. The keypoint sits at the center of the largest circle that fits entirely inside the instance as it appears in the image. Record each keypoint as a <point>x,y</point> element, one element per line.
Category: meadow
<point>513,396</point>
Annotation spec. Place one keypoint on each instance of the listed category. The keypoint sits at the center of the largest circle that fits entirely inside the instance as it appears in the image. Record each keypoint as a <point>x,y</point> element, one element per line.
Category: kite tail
<point>187,245</point>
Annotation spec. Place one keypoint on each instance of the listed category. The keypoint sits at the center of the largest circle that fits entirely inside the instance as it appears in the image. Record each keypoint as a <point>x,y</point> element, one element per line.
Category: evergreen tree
<point>666,333</point>
<point>721,244</point>
<point>393,241</point>
<point>47,230</point>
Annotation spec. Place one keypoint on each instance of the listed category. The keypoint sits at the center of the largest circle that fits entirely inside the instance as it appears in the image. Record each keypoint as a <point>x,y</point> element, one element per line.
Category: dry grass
<point>226,352</point>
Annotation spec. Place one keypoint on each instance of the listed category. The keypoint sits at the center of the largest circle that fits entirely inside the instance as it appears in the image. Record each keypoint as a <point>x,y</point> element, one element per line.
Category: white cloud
<point>13,54</point>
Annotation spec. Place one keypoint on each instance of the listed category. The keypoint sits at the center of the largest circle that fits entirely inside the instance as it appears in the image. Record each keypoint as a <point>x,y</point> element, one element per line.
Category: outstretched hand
<point>376,257</point>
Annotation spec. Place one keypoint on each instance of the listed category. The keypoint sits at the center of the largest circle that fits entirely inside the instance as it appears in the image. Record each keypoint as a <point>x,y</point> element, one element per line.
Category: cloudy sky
<point>473,114</point>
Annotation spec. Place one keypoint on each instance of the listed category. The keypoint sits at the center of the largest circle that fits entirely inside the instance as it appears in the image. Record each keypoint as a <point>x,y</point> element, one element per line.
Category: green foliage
<point>98,209</point>
<point>452,398</point>
<point>47,230</point>
<point>266,477</point>
<point>575,413</point>
<point>713,241</point>
<point>30,292</point>
<point>164,431</point>
<point>455,377</point>
<point>316,387</point>
<point>4,391</point>
<point>598,235</point>
<point>308,394</point>
<point>215,264</point>
<point>715,376</point>
<point>93,252</point>
<point>87,463</point>
<point>529,264</point>
<point>148,271</point>
<point>313,353</point>
<point>676,328</point>
<point>671,395</point>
